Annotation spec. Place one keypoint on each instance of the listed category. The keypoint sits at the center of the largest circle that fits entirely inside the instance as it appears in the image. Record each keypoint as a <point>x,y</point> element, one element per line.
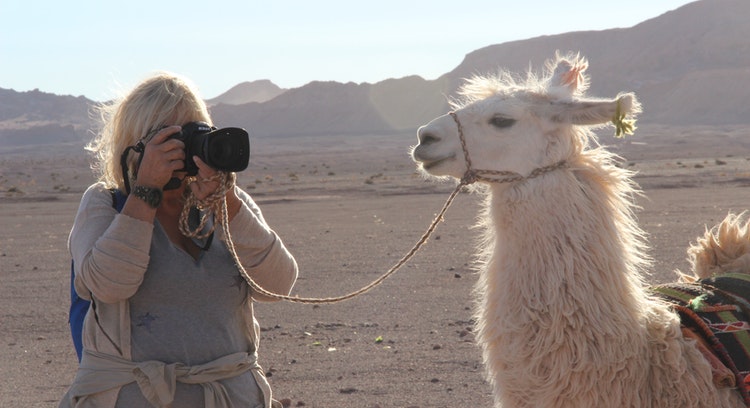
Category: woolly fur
<point>563,316</point>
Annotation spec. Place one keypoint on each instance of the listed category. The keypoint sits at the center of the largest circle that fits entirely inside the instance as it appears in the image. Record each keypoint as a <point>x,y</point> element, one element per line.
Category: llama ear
<point>567,77</point>
<point>621,111</point>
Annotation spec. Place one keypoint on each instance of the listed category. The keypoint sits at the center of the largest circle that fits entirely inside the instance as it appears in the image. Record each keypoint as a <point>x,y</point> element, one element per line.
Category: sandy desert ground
<point>348,209</point>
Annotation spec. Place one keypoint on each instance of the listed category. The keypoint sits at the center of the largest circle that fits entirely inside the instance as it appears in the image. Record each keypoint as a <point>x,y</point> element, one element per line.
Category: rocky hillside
<point>336,108</point>
<point>690,66</point>
<point>35,117</point>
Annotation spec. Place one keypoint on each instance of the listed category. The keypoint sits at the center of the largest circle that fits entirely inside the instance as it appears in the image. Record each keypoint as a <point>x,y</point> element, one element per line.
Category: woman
<point>171,321</point>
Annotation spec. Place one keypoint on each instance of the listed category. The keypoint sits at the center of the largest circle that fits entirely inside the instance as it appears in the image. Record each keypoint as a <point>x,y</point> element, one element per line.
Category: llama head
<point>518,126</point>
<point>723,249</point>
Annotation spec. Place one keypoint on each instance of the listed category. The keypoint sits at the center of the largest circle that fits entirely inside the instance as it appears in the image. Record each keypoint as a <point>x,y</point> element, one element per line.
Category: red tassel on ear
<point>574,77</point>
<point>568,78</point>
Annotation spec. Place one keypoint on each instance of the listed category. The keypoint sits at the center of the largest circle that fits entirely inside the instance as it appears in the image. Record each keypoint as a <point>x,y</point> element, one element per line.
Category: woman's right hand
<point>161,158</point>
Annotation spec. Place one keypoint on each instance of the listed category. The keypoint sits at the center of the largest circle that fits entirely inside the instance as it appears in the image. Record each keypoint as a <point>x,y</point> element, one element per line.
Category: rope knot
<point>470,177</point>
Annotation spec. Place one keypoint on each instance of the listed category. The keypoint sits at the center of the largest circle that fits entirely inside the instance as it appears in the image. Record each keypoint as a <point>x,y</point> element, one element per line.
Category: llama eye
<point>501,122</point>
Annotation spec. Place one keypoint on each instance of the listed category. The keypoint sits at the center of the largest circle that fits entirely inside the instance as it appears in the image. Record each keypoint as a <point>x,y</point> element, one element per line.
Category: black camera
<point>225,149</point>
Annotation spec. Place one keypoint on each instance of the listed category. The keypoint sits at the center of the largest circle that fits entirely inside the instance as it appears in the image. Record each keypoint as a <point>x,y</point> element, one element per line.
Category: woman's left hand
<point>205,182</point>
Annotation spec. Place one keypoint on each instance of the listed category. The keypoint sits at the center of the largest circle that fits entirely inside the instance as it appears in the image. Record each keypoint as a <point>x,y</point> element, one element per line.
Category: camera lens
<point>227,149</point>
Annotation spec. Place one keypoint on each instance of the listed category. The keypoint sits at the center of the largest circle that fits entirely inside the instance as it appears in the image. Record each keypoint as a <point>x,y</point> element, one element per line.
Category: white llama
<point>564,318</point>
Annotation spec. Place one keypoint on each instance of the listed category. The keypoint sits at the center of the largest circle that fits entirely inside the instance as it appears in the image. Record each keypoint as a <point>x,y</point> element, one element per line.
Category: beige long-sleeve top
<point>111,253</point>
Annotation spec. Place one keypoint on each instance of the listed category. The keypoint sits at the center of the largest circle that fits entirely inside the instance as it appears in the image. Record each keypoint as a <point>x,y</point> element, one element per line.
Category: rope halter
<point>473,175</point>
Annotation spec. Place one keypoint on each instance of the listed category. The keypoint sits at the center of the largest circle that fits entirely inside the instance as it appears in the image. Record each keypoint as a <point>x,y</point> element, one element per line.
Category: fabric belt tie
<point>158,381</point>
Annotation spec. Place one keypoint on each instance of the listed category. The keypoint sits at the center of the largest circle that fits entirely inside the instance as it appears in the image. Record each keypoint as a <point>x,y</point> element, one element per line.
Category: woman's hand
<point>161,157</point>
<point>207,181</point>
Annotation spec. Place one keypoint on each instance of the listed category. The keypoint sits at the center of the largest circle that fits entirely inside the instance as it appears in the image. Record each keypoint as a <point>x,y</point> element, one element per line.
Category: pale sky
<point>98,48</point>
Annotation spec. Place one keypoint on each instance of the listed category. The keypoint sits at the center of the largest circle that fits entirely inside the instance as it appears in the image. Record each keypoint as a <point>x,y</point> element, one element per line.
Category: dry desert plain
<point>348,208</point>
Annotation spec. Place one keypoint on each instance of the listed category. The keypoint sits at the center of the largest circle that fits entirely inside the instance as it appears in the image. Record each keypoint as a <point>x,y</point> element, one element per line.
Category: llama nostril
<point>427,138</point>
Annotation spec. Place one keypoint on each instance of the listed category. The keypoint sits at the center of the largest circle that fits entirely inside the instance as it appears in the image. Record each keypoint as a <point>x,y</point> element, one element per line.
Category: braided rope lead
<point>217,203</point>
<point>212,204</point>
<point>258,289</point>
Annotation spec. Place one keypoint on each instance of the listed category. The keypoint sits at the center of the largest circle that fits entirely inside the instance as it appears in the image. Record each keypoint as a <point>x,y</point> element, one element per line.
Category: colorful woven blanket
<point>717,310</point>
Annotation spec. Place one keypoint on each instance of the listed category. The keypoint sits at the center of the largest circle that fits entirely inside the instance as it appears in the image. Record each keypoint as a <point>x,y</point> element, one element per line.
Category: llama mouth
<point>426,165</point>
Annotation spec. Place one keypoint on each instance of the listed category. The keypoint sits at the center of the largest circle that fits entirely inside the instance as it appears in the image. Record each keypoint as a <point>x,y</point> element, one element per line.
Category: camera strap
<point>172,184</point>
<point>138,148</point>
<point>203,242</point>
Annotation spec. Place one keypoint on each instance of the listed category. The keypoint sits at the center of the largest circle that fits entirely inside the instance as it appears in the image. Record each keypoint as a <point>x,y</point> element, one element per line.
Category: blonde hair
<point>161,100</point>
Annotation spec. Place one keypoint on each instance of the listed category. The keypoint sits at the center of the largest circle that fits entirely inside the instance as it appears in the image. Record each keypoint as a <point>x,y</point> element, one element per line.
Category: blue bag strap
<point>78,309</point>
<point>118,199</point>
<point>79,306</point>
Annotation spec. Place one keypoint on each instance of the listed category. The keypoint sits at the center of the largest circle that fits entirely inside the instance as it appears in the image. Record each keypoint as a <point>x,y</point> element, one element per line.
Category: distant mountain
<point>35,117</point>
<point>336,108</point>
<point>690,66</point>
<point>256,91</point>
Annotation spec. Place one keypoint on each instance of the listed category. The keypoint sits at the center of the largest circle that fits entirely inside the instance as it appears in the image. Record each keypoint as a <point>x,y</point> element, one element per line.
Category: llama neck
<point>566,241</point>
